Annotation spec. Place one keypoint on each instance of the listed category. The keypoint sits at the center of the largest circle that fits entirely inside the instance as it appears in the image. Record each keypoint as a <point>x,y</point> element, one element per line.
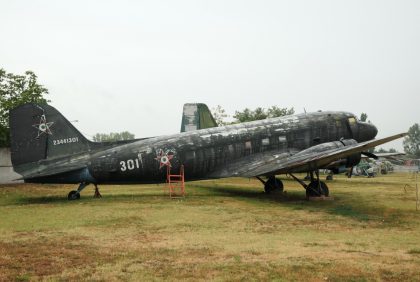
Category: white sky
<point>131,65</point>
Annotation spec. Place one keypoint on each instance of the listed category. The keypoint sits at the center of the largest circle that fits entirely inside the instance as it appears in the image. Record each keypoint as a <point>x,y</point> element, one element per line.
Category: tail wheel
<point>317,189</point>
<point>273,185</point>
<point>73,195</point>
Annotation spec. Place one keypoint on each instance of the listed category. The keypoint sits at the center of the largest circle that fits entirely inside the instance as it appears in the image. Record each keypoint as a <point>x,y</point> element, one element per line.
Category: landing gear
<point>272,184</point>
<point>97,193</point>
<point>316,188</point>
<point>75,195</point>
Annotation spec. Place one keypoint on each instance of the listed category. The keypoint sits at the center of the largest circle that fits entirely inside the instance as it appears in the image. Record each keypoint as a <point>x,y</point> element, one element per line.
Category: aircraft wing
<point>387,155</point>
<point>265,164</point>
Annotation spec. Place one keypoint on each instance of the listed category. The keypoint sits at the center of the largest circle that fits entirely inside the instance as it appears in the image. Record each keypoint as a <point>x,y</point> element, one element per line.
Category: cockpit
<point>361,131</point>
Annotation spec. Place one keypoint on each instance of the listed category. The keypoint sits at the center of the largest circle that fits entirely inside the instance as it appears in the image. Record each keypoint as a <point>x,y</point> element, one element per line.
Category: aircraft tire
<point>73,195</point>
<point>273,185</point>
<point>316,189</point>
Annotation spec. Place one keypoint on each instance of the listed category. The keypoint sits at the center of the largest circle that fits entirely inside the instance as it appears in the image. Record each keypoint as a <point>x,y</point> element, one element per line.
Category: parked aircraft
<point>47,148</point>
<point>365,167</point>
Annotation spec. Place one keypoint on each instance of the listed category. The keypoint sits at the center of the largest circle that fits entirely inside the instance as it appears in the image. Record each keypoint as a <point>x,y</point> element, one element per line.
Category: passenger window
<point>282,139</point>
<point>265,142</point>
<point>231,149</point>
<point>248,145</point>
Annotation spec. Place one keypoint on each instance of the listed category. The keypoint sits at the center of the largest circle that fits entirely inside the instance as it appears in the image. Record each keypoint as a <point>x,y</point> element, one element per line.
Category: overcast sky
<point>131,65</point>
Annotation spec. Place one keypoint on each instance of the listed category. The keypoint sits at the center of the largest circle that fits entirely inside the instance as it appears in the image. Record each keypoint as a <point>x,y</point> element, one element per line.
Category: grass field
<point>223,230</point>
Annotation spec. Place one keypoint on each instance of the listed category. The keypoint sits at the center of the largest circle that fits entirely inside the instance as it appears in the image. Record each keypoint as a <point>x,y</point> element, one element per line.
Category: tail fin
<point>195,117</point>
<point>40,132</point>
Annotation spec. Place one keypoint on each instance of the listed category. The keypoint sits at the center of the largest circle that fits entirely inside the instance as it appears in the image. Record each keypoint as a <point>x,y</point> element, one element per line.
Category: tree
<point>219,115</point>
<point>261,113</point>
<point>113,136</point>
<point>275,111</point>
<point>363,117</point>
<point>411,142</point>
<point>16,90</point>
<point>244,116</point>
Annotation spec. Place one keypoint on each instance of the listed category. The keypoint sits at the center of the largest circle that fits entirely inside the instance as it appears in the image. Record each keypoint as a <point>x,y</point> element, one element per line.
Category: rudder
<point>196,116</point>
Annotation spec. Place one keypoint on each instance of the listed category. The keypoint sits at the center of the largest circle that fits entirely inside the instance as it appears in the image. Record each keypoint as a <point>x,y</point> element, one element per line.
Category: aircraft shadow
<point>351,208</point>
<point>292,197</point>
<point>84,198</point>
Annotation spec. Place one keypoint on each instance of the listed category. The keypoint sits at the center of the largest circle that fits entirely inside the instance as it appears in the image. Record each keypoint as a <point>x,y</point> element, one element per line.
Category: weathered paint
<point>205,153</point>
<point>196,116</point>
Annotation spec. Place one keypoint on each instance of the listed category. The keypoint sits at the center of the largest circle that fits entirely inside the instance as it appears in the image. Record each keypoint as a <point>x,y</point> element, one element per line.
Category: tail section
<point>195,117</point>
<point>40,132</point>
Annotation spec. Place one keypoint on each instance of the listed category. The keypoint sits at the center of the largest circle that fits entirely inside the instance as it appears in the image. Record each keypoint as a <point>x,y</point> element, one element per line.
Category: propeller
<point>370,155</point>
<point>350,174</point>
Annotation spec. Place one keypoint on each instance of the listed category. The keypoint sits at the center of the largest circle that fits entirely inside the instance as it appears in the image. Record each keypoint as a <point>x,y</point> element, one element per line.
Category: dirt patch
<point>29,258</point>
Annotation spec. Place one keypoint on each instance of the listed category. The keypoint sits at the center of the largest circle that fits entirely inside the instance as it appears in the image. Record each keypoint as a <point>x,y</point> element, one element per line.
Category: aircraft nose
<point>367,131</point>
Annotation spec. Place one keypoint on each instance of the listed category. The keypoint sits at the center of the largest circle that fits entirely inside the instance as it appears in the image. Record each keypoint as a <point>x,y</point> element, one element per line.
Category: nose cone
<point>367,131</point>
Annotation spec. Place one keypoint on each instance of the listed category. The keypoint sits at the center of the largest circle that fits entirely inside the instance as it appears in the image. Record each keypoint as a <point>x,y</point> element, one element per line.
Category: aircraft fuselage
<point>205,151</point>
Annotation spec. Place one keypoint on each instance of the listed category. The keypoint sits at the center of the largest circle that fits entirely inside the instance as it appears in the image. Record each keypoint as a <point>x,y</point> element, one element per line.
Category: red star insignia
<point>164,159</point>
<point>43,126</point>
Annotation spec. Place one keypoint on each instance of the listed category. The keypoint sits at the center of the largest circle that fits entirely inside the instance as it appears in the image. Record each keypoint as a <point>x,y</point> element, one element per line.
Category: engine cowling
<point>328,146</point>
<point>353,160</point>
<point>342,165</point>
<point>338,165</point>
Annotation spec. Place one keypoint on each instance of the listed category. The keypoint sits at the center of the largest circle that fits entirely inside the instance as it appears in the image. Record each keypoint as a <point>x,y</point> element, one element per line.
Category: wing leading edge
<point>271,164</point>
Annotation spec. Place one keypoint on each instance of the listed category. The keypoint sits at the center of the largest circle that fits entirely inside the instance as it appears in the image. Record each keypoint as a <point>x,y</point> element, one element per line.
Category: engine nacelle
<point>328,146</point>
<point>338,165</point>
<point>341,166</point>
<point>353,160</point>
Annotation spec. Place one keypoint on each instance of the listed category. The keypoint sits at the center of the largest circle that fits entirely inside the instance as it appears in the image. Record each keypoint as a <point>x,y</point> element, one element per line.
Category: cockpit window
<point>352,121</point>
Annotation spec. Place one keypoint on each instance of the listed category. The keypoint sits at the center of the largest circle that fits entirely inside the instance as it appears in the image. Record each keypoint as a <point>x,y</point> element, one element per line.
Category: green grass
<point>223,230</point>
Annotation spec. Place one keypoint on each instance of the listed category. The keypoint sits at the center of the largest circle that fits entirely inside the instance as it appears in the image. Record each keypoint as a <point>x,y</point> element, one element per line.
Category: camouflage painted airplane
<point>47,148</point>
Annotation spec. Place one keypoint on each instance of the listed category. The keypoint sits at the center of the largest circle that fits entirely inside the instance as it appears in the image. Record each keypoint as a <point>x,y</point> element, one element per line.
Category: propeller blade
<point>351,172</point>
<point>370,155</point>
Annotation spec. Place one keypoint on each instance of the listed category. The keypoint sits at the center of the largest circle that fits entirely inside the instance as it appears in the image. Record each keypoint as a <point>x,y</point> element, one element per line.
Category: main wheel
<point>73,195</point>
<point>317,189</point>
<point>273,184</point>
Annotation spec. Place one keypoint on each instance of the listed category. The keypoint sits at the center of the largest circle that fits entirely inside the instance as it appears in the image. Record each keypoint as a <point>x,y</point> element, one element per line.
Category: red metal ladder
<point>175,183</point>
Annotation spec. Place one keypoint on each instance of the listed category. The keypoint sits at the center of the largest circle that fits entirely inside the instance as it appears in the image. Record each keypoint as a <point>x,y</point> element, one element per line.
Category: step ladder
<point>175,183</point>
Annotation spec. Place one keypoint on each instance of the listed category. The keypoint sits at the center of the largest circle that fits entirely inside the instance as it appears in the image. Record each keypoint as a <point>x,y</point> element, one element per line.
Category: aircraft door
<point>104,167</point>
<point>333,129</point>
